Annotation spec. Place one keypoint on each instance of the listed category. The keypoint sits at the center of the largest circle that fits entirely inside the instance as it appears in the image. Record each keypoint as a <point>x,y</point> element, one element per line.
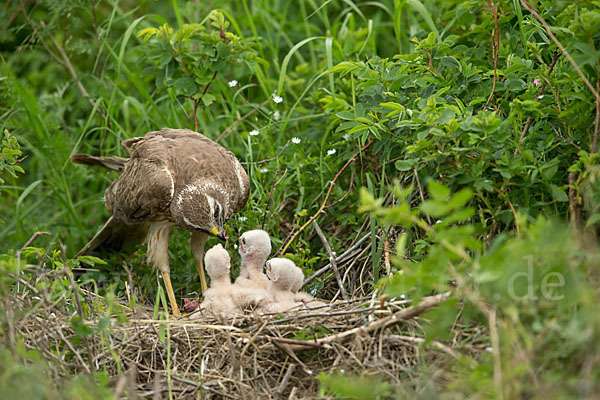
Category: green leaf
<point>393,106</point>
<point>187,84</point>
<point>461,198</point>
<point>558,194</point>
<point>79,327</point>
<point>438,191</point>
<point>594,219</point>
<point>347,115</point>
<point>406,165</point>
<point>208,99</point>
<point>451,62</point>
<point>91,260</point>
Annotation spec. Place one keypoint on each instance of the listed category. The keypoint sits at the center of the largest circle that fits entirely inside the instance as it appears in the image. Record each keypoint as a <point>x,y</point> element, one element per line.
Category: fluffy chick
<point>299,296</point>
<point>219,299</point>
<point>254,248</point>
<point>282,273</point>
<point>251,285</point>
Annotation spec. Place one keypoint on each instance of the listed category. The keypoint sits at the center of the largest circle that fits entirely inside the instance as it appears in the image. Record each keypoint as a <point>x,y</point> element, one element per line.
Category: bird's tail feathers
<point>112,163</point>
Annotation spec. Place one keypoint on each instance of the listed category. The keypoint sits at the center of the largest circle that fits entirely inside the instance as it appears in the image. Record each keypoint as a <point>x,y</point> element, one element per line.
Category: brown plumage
<point>174,177</point>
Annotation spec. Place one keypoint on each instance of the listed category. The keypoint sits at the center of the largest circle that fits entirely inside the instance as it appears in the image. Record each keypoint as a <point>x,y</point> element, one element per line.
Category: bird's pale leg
<point>167,278</point>
<point>197,242</point>
<point>158,254</point>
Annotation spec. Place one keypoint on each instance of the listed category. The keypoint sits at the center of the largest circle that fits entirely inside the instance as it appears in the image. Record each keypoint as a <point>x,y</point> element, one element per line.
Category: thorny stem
<point>537,98</point>
<point>495,49</point>
<point>561,47</point>
<point>512,208</point>
<point>597,119</point>
<point>335,178</point>
<point>198,99</point>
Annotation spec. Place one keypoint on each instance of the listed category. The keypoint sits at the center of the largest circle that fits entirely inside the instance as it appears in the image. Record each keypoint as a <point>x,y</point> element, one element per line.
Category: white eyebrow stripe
<point>187,221</point>
<point>211,204</point>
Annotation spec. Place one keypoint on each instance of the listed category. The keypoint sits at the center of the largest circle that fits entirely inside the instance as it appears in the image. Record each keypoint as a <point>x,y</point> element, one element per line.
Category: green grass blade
<point>420,8</point>
<point>287,58</point>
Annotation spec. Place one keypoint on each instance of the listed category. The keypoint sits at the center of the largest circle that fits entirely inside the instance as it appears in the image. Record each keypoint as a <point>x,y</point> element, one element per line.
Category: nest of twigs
<point>251,356</point>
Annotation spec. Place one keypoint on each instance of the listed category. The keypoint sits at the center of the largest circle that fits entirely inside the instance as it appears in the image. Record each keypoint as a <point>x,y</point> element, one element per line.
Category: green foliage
<point>363,387</point>
<point>188,59</point>
<point>9,158</point>
<point>27,376</point>
<point>542,285</point>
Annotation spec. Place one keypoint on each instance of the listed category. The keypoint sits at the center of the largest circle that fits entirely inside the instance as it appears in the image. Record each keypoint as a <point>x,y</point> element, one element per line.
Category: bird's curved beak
<point>220,234</point>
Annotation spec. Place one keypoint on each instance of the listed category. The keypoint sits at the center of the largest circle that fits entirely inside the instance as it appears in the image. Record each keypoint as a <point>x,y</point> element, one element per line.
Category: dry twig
<point>332,261</point>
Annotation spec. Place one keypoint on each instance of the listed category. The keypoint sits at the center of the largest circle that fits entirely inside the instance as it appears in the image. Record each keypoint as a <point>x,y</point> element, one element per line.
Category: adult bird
<point>173,177</point>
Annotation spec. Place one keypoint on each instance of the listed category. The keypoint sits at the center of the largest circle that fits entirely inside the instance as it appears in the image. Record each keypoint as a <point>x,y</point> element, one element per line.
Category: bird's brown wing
<point>193,156</point>
<point>164,162</point>
<point>240,181</point>
<point>146,185</point>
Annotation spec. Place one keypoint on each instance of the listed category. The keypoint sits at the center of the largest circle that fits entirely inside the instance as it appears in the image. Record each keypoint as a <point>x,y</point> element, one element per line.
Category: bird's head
<point>254,244</point>
<point>217,261</point>
<point>282,272</point>
<point>207,208</point>
<point>298,279</point>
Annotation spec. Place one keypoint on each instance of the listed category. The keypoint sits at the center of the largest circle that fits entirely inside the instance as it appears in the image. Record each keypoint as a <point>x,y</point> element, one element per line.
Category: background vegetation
<point>471,127</point>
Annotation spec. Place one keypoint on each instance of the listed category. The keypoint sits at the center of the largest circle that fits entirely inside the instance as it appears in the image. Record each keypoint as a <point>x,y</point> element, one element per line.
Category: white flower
<point>402,296</point>
<point>346,136</point>
<point>277,99</point>
<point>331,152</point>
<point>263,170</point>
<point>243,219</point>
<point>296,140</point>
<point>254,132</point>
<point>276,115</point>
<point>233,83</point>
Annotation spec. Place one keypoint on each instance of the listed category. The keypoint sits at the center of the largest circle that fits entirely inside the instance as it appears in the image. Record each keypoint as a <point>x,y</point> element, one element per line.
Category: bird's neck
<point>254,265</point>
<point>221,281</point>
